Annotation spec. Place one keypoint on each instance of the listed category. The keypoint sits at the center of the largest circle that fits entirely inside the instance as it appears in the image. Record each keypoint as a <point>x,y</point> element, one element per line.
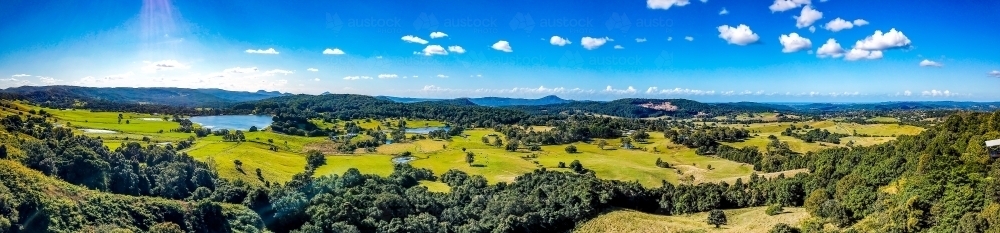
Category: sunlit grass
<point>740,220</point>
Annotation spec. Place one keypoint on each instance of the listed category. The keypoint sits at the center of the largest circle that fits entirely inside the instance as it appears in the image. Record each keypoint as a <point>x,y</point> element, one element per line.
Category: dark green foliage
<point>774,209</point>
<point>571,149</point>
<point>783,228</point>
<point>470,157</point>
<point>815,135</point>
<point>314,159</point>
<point>661,163</point>
<point>717,218</point>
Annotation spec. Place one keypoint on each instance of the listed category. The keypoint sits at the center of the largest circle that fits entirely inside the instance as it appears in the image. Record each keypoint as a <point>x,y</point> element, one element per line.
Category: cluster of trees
<point>293,122</point>
<point>705,139</point>
<point>814,135</point>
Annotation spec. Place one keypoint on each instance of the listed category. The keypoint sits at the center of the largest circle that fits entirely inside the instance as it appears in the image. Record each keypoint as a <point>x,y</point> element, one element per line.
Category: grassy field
<point>740,220</point>
<point>766,129</point>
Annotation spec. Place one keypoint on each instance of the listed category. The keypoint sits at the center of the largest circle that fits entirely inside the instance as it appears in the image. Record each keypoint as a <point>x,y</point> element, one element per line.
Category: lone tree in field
<point>239,164</point>
<point>717,217</point>
<point>602,143</point>
<point>470,157</point>
<point>314,159</point>
<point>571,149</point>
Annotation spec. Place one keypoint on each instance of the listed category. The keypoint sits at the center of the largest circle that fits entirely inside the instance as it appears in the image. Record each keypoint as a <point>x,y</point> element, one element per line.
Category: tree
<point>717,217</point>
<point>315,159</point>
<point>571,149</point>
<point>602,143</point>
<point>253,129</point>
<point>784,228</point>
<point>126,122</point>
<point>577,167</point>
<point>512,146</point>
<point>774,209</point>
<point>627,143</point>
<point>814,202</point>
<point>239,164</point>
<point>3,151</point>
<point>470,157</point>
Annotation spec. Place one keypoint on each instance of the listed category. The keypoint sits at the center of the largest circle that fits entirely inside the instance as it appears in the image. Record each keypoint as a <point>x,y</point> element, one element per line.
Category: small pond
<point>425,130</point>
<point>236,122</point>
<point>404,159</point>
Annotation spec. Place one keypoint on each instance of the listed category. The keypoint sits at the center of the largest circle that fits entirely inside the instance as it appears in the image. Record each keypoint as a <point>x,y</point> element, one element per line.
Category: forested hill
<point>639,108</point>
<point>181,97</point>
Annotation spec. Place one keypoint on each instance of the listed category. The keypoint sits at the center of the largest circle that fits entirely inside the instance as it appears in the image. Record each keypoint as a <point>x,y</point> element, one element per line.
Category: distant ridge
<point>185,97</point>
<point>488,101</point>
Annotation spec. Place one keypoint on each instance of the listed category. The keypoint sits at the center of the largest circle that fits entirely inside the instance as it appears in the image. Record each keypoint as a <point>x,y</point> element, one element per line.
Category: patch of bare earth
<point>665,106</point>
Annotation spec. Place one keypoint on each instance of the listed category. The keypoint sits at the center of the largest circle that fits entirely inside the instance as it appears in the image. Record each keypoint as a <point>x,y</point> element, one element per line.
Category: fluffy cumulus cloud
<point>937,93</point>
<point>456,49</point>
<point>794,43</point>
<point>163,65</point>
<point>502,46</point>
<point>591,43</point>
<point>619,47</point>
<point>48,80</point>
<point>387,76</point>
<point>929,63</point>
<point>858,54</point>
<point>839,24</point>
<point>784,5</point>
<point>628,91</point>
<point>883,41</point>
<point>432,50</point>
<point>334,51</point>
<point>559,41</point>
<point>830,49</point>
<point>640,40</point>
<point>995,73</point>
<point>739,35</point>
<point>262,51</point>
<point>435,35</point>
<point>414,39</point>
<point>313,69</point>
<point>665,4</point>
<point>356,77</point>
<point>807,17</point>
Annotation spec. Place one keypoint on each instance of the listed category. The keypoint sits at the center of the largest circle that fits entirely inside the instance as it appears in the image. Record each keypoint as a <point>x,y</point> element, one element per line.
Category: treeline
<point>631,108</point>
<point>814,135</point>
<point>705,139</point>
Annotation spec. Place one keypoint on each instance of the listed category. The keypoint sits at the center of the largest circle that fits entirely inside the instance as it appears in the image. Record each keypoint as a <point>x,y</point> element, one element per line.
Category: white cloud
<point>995,73</point>
<point>48,80</point>
<point>794,43</point>
<point>665,4</point>
<point>830,49</point>
<point>316,79</point>
<point>312,69</point>
<point>936,93</point>
<point>907,93</point>
<point>559,41</point>
<point>591,43</point>
<point>740,35</point>
<point>240,70</point>
<point>442,76</point>
<point>20,75</point>
<point>807,17</point>
<point>652,90</point>
<point>812,28</point>
<point>261,51</point>
<point>929,63</point>
<point>640,40</point>
<point>356,77</point>
<point>414,39</point>
<point>879,41</point>
<point>476,76</point>
<point>860,22</point>
<point>385,76</point>
<point>334,51</point>
<point>784,5</point>
<point>629,91</point>
<point>838,24</point>
<point>858,54</point>
<point>432,50</point>
<point>456,49</point>
<point>685,91</point>
<point>670,38</point>
<point>16,82</point>
<point>619,47</point>
<point>502,46</point>
<point>689,38</point>
<point>435,35</point>
<point>277,71</point>
<point>724,11</point>
<point>163,65</point>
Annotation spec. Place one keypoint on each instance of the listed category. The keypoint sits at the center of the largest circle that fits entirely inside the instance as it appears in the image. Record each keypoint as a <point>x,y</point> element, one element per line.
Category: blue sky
<point>886,50</point>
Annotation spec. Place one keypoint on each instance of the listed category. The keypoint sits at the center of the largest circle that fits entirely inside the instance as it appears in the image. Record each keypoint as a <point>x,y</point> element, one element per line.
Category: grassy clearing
<point>797,145</point>
<point>740,220</point>
<point>884,119</point>
<point>875,129</point>
<point>436,186</point>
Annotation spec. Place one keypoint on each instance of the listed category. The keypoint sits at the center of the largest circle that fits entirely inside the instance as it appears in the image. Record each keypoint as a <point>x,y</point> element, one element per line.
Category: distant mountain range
<point>184,97</point>
<point>490,101</point>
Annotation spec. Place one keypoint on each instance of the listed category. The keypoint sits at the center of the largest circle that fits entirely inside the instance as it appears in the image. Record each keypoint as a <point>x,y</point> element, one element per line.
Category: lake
<point>240,122</point>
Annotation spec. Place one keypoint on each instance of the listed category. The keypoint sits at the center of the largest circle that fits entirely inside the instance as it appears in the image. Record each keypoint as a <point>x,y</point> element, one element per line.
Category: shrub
<point>774,209</point>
